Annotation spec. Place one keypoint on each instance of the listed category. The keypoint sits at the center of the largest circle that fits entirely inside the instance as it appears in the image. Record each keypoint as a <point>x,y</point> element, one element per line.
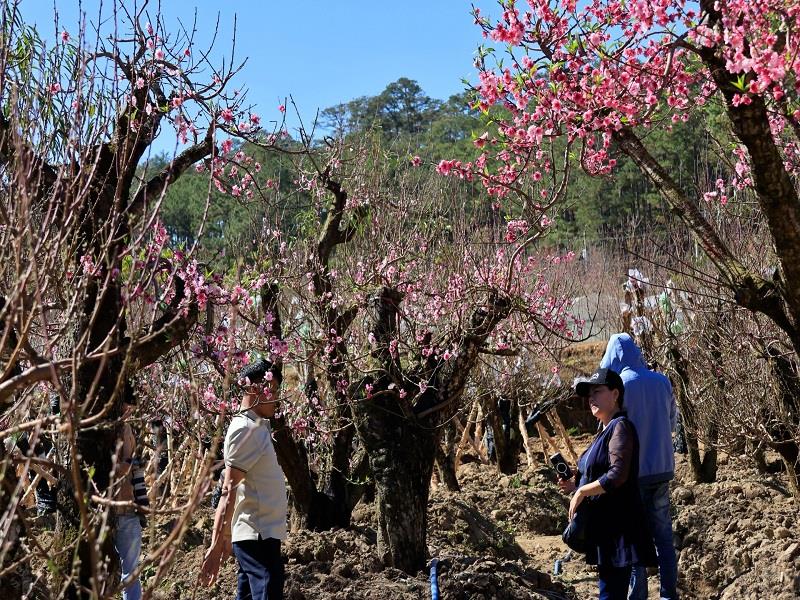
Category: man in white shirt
<point>250,521</point>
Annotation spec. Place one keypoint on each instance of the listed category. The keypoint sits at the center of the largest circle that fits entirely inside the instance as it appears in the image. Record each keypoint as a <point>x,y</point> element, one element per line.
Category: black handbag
<point>576,534</point>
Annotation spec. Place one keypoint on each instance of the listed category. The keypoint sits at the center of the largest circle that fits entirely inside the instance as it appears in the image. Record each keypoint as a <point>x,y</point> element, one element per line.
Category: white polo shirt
<point>261,503</point>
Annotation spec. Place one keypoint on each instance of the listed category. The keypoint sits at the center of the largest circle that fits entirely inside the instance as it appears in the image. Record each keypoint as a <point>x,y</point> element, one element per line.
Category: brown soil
<point>581,359</point>
<point>738,537</point>
<point>499,538</point>
<point>478,554</point>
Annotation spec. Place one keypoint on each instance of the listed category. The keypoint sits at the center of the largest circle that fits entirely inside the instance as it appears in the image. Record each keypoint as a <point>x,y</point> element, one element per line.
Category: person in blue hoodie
<point>651,407</point>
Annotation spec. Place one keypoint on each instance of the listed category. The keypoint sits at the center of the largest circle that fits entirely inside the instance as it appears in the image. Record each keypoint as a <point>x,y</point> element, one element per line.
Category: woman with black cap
<point>606,489</point>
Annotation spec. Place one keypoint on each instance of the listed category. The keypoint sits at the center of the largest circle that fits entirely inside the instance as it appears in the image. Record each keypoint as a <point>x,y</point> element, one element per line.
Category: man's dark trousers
<point>261,570</point>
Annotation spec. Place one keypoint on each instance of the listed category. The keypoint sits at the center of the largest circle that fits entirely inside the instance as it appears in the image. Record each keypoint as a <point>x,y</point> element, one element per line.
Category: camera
<point>561,466</point>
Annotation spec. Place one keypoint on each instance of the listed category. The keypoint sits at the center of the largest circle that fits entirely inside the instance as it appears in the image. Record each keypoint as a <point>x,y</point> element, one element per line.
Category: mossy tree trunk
<point>399,422</point>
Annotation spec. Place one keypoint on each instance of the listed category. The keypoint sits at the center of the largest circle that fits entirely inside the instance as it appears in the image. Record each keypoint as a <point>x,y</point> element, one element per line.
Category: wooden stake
<point>559,427</point>
<point>171,464</point>
<point>542,436</point>
<point>546,440</point>
<point>481,449</point>
<point>468,439</point>
<point>478,426</point>
<point>465,432</point>
<point>526,441</point>
<point>31,487</point>
<point>43,472</point>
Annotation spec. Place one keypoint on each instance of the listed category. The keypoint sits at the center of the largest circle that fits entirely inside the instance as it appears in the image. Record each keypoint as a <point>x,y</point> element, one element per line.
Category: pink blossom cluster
<point>456,168</point>
<point>594,85</point>
<point>233,173</point>
<point>583,70</point>
<point>515,229</point>
<point>717,194</point>
<point>437,298</point>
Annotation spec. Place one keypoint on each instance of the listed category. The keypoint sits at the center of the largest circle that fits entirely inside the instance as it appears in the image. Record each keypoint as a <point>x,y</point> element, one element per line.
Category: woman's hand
<point>577,498</point>
<point>567,485</point>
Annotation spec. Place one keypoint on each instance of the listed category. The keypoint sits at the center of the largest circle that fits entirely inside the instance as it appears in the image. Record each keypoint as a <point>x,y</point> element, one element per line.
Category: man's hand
<point>214,558</point>
<point>221,546</point>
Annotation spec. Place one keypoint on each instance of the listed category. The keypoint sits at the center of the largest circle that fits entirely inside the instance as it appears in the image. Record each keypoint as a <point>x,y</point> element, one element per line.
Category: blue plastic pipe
<point>434,579</point>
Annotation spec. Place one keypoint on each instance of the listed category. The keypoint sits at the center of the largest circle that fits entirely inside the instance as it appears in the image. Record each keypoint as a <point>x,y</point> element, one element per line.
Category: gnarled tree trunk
<point>401,452</point>
<point>703,468</point>
<point>446,457</point>
<point>401,439</point>
<point>318,502</point>
<point>502,416</point>
<point>786,373</point>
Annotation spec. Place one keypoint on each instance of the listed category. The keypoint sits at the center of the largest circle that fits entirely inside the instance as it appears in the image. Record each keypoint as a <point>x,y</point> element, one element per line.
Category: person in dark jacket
<point>607,481</point>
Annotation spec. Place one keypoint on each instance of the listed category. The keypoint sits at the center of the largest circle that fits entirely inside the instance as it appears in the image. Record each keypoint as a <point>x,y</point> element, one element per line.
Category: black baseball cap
<point>605,377</point>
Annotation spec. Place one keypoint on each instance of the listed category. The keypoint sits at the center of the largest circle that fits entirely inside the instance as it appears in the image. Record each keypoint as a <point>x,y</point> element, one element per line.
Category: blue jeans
<point>128,544</point>
<point>261,570</point>
<point>614,582</point>
<point>655,497</point>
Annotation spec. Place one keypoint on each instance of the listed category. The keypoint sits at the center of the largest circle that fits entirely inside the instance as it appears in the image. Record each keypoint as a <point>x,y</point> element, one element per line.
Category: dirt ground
<point>477,550</point>
<point>737,538</point>
<point>499,538</point>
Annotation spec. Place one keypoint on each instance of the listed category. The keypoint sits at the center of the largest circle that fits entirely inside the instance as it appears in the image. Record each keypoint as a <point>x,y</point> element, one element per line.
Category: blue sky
<point>319,52</point>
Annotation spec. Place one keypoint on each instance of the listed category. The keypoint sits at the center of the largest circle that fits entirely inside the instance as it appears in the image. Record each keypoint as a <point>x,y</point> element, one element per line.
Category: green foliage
<point>610,208</point>
<point>402,108</point>
<point>406,123</point>
<point>194,211</point>
<point>404,114</point>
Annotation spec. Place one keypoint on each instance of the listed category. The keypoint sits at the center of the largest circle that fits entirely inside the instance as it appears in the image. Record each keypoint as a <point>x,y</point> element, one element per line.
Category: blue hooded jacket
<point>650,405</point>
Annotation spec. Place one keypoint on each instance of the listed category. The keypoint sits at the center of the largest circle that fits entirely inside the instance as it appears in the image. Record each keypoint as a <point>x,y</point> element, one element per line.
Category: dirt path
<point>544,550</point>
